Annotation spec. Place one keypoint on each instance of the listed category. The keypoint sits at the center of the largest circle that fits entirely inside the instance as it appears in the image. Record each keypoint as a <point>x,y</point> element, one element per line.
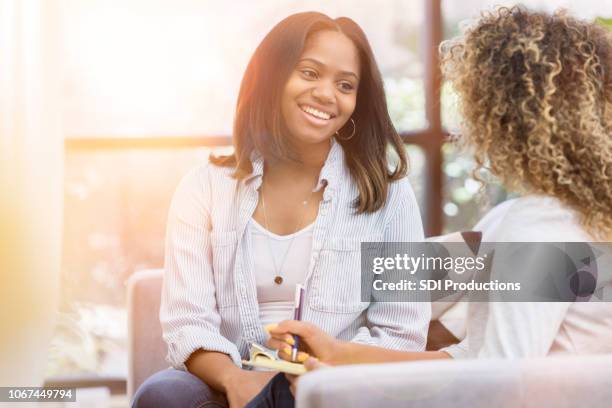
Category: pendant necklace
<point>278,278</point>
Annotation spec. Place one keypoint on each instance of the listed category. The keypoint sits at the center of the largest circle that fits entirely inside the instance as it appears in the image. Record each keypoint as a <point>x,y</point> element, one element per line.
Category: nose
<point>324,93</point>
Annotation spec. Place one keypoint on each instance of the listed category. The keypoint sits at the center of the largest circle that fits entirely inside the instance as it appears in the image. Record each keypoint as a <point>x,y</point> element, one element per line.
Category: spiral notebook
<point>262,357</point>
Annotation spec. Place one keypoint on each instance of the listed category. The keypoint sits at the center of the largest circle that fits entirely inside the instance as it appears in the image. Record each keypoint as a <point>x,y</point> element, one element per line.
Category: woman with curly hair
<point>535,94</point>
<point>536,98</point>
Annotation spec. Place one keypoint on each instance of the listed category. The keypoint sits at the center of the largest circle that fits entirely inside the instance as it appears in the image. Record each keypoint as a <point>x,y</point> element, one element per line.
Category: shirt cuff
<point>189,340</point>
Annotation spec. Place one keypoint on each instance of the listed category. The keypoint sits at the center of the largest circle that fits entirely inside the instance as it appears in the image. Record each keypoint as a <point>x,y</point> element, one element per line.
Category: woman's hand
<point>243,386</point>
<point>314,341</point>
<point>311,364</point>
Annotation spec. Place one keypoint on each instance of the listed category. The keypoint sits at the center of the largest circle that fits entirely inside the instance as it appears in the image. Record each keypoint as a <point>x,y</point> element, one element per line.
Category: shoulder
<point>401,189</point>
<point>538,218</point>
<point>202,181</point>
<point>402,217</point>
<point>401,200</point>
<point>205,173</point>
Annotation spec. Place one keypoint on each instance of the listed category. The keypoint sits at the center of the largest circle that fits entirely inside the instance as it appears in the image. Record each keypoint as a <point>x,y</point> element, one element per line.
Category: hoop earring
<point>352,134</point>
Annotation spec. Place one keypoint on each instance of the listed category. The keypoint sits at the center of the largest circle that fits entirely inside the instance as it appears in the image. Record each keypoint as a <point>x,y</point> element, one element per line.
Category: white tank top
<point>276,301</point>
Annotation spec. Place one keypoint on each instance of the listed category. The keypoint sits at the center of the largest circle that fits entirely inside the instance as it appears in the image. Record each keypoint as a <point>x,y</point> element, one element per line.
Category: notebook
<point>262,357</point>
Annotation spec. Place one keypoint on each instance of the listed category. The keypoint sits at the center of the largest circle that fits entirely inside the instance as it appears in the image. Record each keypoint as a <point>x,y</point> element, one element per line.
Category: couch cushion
<point>146,349</point>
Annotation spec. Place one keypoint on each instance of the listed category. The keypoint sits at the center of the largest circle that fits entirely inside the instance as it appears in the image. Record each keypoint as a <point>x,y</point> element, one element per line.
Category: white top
<point>532,329</point>
<point>283,255</point>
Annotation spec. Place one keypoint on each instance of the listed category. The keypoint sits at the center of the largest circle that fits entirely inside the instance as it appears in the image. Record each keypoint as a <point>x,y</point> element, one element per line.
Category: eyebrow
<point>314,61</point>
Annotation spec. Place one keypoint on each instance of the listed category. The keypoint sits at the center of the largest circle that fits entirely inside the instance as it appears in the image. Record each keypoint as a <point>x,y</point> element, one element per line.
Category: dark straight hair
<point>259,124</point>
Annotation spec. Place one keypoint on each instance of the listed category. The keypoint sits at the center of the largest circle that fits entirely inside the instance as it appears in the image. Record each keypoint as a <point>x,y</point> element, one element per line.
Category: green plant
<point>606,22</point>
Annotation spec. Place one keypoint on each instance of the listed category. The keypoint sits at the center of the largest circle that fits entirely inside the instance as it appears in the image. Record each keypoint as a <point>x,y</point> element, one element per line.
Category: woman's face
<point>320,94</point>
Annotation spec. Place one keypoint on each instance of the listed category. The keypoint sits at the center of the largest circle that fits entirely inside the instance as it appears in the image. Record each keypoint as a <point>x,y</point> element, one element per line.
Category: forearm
<point>354,353</point>
<point>215,369</point>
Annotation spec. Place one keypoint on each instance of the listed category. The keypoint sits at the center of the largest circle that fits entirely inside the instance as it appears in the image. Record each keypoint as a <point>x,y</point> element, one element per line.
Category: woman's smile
<point>317,117</point>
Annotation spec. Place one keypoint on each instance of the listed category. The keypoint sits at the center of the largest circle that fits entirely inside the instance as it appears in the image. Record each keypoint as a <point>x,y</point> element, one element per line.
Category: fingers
<point>285,354</point>
<point>313,363</point>
<point>301,357</point>
<point>271,326</point>
<point>277,344</point>
<point>286,338</point>
<point>285,349</point>
<point>302,329</point>
<point>272,330</point>
<point>282,338</point>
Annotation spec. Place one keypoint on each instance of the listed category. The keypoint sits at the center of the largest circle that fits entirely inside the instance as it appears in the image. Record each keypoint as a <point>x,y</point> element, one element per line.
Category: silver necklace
<point>278,278</point>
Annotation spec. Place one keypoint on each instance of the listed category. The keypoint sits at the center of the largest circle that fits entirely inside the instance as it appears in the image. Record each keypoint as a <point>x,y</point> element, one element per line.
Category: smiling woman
<point>309,179</point>
<point>326,82</point>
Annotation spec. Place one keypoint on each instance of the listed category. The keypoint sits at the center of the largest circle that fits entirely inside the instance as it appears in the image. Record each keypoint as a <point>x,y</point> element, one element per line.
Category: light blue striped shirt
<point>209,298</point>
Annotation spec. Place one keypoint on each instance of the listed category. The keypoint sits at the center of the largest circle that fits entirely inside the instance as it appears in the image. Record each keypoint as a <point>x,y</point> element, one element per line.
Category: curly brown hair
<point>535,94</point>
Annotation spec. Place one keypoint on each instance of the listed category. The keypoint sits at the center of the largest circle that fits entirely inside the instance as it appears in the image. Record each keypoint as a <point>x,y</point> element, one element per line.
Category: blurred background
<point>147,91</point>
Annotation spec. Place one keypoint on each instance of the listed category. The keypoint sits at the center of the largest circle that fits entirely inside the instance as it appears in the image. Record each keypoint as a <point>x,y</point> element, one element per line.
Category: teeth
<point>315,112</point>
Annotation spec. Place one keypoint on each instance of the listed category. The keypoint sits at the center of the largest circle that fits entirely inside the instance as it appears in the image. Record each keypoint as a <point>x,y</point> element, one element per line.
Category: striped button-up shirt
<point>209,297</point>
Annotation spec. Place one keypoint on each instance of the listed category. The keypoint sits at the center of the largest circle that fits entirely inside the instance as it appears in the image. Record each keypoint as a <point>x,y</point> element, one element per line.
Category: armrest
<point>552,381</point>
<point>146,348</point>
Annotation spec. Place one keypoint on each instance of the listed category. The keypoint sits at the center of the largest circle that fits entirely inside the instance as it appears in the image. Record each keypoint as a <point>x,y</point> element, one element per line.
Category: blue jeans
<point>276,394</point>
<point>177,389</point>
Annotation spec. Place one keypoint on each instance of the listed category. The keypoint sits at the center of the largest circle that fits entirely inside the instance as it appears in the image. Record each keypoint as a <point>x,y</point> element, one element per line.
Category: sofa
<point>584,381</point>
<point>146,348</point>
<point>568,381</point>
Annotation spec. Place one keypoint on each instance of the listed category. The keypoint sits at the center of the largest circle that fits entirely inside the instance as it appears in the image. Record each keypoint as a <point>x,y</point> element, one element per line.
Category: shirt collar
<point>333,166</point>
<point>330,172</point>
